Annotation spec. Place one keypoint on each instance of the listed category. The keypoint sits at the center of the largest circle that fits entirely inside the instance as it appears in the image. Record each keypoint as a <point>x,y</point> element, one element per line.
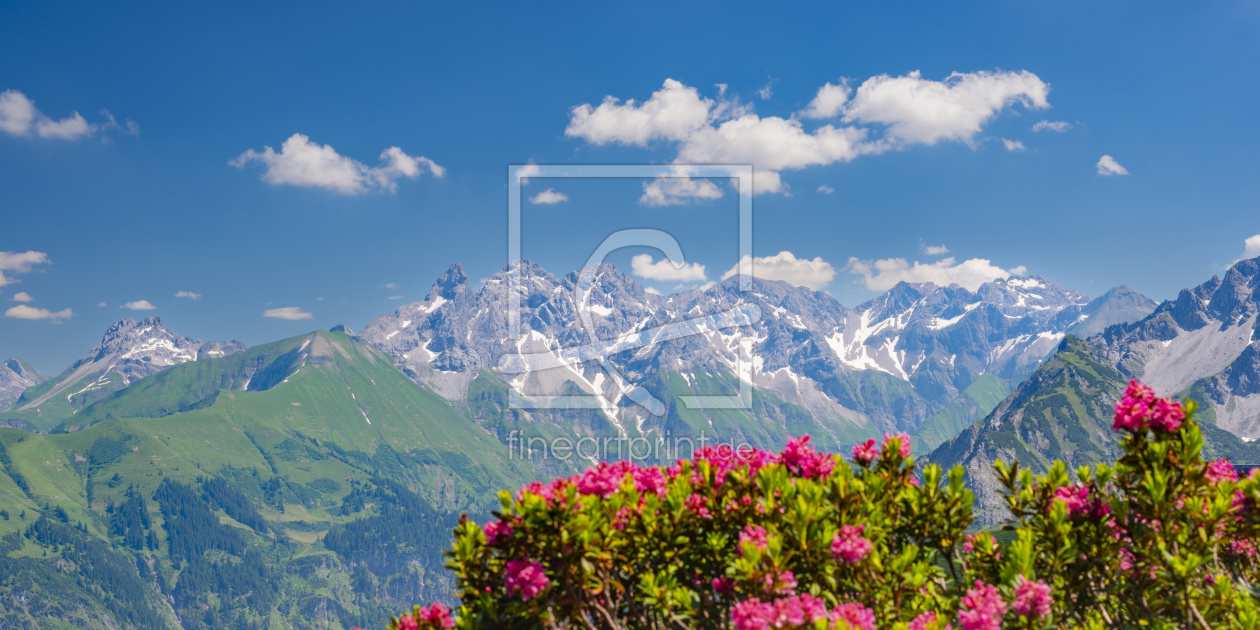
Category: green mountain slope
<point>323,501</point>
<point>1062,412</point>
<point>980,398</point>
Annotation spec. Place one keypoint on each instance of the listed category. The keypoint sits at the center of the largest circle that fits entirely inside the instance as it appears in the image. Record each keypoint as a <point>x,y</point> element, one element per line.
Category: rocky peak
<point>451,285</point>
<point>1235,299</point>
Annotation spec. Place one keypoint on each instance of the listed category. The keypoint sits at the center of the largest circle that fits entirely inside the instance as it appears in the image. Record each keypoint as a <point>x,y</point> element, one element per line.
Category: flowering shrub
<point>1160,539</point>
<point>753,540</point>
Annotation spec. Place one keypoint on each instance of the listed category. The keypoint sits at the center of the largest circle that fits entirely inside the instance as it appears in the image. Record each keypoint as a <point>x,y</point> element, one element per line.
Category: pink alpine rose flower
<point>1167,415</point>
<point>1220,470</point>
<point>1134,409</point>
<point>849,546</point>
<point>926,621</point>
<point>899,443</point>
<point>865,452</point>
<point>437,616</point>
<point>855,615</point>
<point>525,578</point>
<point>1032,599</point>
<point>497,531</point>
<point>752,614</point>
<point>755,535</point>
<point>983,608</point>
<point>803,461</point>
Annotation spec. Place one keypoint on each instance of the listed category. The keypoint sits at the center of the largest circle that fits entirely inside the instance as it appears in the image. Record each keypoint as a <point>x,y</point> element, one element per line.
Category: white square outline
<point>742,174</point>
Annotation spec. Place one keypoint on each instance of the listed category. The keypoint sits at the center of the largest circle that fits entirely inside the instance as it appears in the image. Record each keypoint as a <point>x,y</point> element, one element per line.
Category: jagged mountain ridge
<point>16,376</point>
<point>128,351</point>
<point>1205,343</point>
<point>889,364</point>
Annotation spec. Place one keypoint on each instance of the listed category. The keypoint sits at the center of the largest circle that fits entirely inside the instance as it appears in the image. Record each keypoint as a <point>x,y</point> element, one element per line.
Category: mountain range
<point>129,351</point>
<point>921,358</point>
<point>163,481</point>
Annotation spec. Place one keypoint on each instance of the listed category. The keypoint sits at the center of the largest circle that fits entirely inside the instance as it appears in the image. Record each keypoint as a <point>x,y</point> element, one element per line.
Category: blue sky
<point>155,198</point>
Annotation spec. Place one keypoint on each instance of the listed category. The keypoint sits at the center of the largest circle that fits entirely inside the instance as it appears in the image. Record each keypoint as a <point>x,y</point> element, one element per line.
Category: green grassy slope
<point>342,482</point>
<point>975,403</point>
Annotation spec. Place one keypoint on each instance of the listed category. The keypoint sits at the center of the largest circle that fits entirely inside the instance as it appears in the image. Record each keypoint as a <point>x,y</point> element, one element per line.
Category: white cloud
<point>665,270</point>
<point>22,262</point>
<point>395,297</point>
<point>825,190</point>
<point>652,291</point>
<point>19,262</point>
<point>812,274</point>
<point>883,274</point>
<point>301,162</point>
<point>291,313</point>
<point>829,101</point>
<point>22,296</point>
<point>188,294</point>
<point>139,305</point>
<point>907,110</point>
<point>22,311</point>
<point>391,285</point>
<point>101,304</point>
<point>1057,126</point>
<point>527,171</point>
<point>548,197</point>
<point>20,117</point>
<point>1014,146</point>
<point>766,91</point>
<point>1108,166</point>
<point>771,144</point>
<point>1251,249</point>
<point>918,110</point>
<point>672,113</point>
<point>131,127</point>
<point>17,113</point>
<point>933,250</point>
<point>678,189</point>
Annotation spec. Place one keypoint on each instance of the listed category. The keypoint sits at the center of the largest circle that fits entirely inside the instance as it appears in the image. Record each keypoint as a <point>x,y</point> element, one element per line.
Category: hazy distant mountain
<point>129,351</point>
<point>15,376</point>
<point>1120,305</point>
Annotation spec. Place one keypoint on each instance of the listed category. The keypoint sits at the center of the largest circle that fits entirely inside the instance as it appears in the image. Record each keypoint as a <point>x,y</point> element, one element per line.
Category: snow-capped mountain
<point>889,364</point>
<point>130,350</point>
<point>1206,343</point>
<point>15,376</point>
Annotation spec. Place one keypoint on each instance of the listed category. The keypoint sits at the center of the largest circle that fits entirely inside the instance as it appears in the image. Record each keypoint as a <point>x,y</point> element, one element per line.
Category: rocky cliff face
<point>1205,343</point>
<point>15,376</point>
